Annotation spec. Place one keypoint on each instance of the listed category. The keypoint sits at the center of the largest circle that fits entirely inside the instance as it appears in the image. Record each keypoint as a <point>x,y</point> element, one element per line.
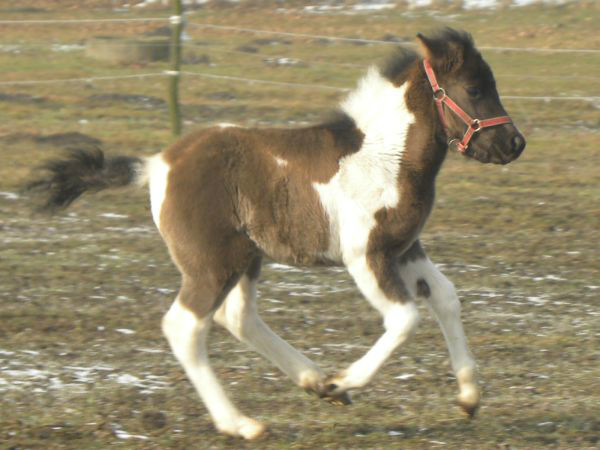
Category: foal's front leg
<point>377,277</point>
<point>439,293</point>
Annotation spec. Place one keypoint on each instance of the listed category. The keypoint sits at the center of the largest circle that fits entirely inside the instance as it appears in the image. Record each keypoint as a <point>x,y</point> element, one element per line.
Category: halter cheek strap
<point>473,125</point>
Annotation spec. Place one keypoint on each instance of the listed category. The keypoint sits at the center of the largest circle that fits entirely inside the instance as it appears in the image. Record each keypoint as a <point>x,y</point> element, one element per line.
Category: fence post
<point>175,63</point>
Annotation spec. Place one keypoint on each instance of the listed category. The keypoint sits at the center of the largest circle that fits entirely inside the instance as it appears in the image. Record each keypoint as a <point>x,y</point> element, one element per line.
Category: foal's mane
<point>339,122</point>
<point>396,69</point>
<point>397,63</point>
<point>442,43</point>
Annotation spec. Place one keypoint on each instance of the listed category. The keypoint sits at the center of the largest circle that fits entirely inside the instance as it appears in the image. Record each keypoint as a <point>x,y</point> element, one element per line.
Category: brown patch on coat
<point>398,228</point>
<point>454,57</point>
<point>385,267</point>
<point>228,201</point>
<point>314,151</point>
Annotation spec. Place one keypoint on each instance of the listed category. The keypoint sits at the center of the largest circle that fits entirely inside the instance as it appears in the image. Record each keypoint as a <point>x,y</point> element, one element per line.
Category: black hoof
<point>469,410</point>
<point>328,394</point>
<point>336,398</point>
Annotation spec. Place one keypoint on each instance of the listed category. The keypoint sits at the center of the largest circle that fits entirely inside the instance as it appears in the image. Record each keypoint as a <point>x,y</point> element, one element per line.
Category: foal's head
<point>467,80</point>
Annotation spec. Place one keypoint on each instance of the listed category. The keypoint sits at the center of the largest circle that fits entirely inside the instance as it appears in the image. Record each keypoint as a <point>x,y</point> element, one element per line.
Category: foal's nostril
<point>518,143</point>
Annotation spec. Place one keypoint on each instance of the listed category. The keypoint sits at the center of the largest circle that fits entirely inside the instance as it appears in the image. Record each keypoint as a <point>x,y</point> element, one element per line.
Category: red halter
<point>474,125</point>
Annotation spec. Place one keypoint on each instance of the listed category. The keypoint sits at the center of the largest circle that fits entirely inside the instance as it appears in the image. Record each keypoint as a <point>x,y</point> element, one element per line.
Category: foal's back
<point>228,186</point>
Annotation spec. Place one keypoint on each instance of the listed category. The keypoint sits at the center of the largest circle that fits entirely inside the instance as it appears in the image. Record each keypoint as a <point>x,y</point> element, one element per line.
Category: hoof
<point>334,393</point>
<point>336,398</point>
<point>468,409</point>
<point>246,428</point>
<point>331,393</point>
<point>468,400</point>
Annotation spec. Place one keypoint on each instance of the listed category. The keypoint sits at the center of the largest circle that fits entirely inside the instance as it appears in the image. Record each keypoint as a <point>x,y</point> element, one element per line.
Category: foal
<point>355,191</point>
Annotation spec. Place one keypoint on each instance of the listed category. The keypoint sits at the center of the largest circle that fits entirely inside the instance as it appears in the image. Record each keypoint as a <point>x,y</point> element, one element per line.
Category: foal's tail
<point>85,170</point>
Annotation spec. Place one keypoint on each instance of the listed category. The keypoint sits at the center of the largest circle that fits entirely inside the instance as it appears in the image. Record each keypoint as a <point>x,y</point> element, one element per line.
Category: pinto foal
<point>355,191</point>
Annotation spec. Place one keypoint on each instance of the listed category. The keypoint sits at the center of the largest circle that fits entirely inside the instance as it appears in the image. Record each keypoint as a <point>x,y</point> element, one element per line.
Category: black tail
<point>80,171</point>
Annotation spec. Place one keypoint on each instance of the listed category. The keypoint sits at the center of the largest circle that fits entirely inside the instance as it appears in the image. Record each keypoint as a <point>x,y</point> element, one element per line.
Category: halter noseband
<point>473,125</point>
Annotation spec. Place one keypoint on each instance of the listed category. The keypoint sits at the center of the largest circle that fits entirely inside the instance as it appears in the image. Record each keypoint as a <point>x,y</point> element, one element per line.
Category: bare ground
<point>82,360</point>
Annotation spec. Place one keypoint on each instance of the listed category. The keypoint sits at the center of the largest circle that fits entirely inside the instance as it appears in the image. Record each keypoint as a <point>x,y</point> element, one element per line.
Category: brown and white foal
<point>355,191</point>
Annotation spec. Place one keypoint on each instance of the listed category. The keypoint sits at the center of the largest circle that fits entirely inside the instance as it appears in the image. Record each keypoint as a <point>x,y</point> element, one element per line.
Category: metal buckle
<point>457,143</point>
<point>475,125</point>
<point>439,95</point>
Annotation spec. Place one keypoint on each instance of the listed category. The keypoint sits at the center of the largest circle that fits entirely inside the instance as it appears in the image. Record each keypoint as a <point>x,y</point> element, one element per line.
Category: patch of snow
<point>114,216</point>
<point>150,350</point>
<point>283,267</point>
<point>165,290</point>
<point>122,434</point>
<point>405,376</point>
<point>9,195</point>
<point>282,61</point>
<point>127,379</point>
<point>67,47</point>
<point>124,331</point>
<point>373,6</point>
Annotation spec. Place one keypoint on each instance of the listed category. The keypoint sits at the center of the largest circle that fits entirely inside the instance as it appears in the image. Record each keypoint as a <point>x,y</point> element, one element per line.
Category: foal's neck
<point>399,123</point>
<point>426,142</point>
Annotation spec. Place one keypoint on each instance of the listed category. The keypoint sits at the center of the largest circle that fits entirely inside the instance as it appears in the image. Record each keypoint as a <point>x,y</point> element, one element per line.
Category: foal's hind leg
<point>439,293</point>
<point>239,315</point>
<point>186,326</point>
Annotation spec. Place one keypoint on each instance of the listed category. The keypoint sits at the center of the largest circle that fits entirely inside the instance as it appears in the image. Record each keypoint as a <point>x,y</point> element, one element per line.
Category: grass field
<point>83,364</point>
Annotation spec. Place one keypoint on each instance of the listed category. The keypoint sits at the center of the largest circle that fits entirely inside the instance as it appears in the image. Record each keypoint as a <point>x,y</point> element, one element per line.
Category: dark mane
<point>440,42</point>
<point>343,129</point>
<point>447,35</point>
<point>396,64</point>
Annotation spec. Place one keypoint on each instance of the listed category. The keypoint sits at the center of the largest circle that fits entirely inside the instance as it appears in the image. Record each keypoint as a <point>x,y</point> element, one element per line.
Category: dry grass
<point>520,243</point>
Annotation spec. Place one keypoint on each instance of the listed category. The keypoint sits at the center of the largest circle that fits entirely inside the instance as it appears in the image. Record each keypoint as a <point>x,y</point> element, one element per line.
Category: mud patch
<point>69,139</point>
<point>138,101</point>
<point>204,113</point>
<point>22,99</point>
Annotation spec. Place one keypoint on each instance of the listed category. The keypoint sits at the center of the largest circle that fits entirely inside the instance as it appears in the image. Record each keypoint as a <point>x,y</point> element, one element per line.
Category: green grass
<point>519,242</point>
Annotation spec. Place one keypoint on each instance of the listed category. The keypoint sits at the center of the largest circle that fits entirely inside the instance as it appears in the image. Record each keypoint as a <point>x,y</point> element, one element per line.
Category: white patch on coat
<point>445,305</point>
<point>280,161</point>
<point>157,172</point>
<point>187,335</point>
<point>400,321</point>
<point>239,315</point>
<point>368,179</point>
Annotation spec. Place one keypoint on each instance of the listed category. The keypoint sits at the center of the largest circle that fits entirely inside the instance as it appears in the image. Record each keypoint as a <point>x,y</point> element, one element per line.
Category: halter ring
<point>439,95</point>
<point>475,125</point>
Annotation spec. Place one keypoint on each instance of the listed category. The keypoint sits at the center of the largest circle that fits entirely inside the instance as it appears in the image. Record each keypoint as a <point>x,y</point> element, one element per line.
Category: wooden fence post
<point>175,60</point>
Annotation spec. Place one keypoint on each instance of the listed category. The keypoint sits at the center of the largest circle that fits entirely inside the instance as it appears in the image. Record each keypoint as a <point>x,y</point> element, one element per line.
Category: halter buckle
<point>458,145</point>
<point>475,125</point>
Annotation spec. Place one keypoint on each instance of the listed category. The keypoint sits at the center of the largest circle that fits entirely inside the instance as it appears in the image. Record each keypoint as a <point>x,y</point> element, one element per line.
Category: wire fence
<point>384,42</point>
<point>82,79</point>
<point>283,33</point>
<point>176,20</point>
<point>213,76</point>
<point>57,47</point>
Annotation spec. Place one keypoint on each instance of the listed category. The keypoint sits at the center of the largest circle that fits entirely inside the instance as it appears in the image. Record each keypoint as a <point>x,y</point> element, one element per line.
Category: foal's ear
<point>446,54</point>
<point>428,48</point>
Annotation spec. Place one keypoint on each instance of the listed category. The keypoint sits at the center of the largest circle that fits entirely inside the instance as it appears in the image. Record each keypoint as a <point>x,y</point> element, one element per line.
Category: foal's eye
<point>474,92</point>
